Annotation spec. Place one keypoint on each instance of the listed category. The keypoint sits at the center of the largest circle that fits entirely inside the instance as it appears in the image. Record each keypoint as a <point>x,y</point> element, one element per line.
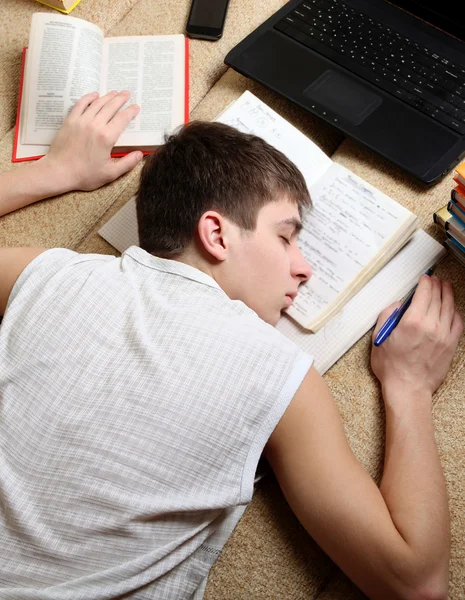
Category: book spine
<point>459,174</point>
<point>455,228</point>
<point>455,252</point>
<point>458,212</point>
<point>456,243</point>
<point>460,169</point>
<point>458,197</point>
<point>459,184</point>
<point>441,216</point>
<point>454,224</point>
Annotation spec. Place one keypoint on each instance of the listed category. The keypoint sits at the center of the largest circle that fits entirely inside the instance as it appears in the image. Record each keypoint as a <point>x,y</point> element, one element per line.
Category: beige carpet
<point>269,555</point>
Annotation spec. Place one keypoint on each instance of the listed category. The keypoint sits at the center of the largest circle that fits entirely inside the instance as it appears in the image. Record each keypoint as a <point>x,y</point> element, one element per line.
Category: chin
<point>274,320</point>
<point>271,318</point>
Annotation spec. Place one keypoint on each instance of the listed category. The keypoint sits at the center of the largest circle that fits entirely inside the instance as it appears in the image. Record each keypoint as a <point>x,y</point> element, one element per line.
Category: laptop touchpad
<point>343,96</point>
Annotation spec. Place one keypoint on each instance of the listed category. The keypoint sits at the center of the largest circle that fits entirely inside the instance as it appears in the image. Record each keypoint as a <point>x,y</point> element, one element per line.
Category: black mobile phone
<point>206,19</point>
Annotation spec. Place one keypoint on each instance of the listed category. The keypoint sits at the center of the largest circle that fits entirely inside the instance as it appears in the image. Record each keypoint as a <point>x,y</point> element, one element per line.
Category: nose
<point>300,267</point>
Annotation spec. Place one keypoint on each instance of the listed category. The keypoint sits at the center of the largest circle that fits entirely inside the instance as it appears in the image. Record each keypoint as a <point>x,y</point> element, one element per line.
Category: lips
<point>289,299</point>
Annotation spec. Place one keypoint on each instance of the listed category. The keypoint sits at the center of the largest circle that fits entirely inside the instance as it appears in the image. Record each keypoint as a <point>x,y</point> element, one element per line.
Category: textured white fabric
<point>136,399</point>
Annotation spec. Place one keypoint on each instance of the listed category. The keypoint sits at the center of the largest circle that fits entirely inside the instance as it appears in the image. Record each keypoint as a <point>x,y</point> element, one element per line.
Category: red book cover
<point>15,157</point>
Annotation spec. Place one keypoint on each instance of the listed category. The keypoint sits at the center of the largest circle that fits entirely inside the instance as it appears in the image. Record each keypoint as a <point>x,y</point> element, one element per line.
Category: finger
<point>122,119</point>
<point>82,104</point>
<point>124,164</point>
<point>97,106</point>
<point>434,308</point>
<point>111,108</point>
<point>457,327</point>
<point>448,304</point>
<point>422,296</point>
<point>384,315</point>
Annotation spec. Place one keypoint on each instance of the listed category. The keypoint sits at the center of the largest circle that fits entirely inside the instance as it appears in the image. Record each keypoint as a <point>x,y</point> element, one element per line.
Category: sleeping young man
<point>139,392</point>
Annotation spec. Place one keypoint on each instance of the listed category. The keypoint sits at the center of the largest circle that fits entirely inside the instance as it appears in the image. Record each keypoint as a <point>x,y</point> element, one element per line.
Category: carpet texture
<point>269,555</point>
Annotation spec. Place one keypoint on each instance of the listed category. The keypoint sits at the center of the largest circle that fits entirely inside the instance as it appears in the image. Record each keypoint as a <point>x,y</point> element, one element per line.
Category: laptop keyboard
<point>393,62</point>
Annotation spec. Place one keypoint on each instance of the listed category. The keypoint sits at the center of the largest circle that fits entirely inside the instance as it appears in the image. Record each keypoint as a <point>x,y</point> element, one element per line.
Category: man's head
<point>230,204</point>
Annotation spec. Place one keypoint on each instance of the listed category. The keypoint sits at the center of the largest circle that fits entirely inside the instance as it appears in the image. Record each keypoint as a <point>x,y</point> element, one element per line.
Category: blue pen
<point>393,320</point>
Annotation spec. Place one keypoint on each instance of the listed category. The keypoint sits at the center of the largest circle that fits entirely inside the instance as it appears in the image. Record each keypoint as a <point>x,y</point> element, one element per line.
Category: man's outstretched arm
<point>79,157</point>
<point>392,541</point>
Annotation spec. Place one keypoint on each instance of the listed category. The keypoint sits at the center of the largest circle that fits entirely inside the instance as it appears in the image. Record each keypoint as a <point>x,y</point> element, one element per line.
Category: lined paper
<point>121,230</point>
<point>360,313</point>
<point>250,115</point>
<point>350,223</point>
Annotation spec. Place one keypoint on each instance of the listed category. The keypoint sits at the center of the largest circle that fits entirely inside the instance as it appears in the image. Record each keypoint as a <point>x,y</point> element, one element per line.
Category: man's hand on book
<point>79,157</point>
<point>80,152</point>
<point>417,355</point>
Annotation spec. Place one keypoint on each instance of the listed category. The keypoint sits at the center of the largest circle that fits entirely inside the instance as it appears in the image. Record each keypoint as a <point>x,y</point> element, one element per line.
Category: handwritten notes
<point>251,115</point>
<point>350,222</point>
<point>351,227</point>
<point>348,225</point>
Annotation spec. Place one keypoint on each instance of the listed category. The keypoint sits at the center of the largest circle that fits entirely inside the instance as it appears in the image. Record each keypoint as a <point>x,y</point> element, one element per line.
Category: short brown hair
<point>210,166</point>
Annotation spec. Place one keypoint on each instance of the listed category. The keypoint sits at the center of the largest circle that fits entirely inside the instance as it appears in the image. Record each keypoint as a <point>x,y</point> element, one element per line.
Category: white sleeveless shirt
<point>135,401</point>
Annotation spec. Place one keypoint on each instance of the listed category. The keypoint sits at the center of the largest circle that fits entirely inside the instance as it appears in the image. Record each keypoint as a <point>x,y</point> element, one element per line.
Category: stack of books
<point>451,217</point>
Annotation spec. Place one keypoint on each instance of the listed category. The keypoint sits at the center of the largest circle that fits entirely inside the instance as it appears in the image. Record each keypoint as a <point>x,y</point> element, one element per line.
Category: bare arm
<point>411,365</point>
<point>12,262</point>
<point>79,157</point>
<point>392,541</point>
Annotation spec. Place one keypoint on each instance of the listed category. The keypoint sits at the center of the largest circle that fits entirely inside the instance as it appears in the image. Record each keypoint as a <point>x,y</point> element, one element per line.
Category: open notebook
<point>355,238</point>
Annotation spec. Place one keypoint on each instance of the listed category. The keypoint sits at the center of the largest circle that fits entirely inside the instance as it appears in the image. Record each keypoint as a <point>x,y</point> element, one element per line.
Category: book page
<point>152,68</point>
<point>360,313</point>
<point>251,115</point>
<point>63,63</point>
<point>350,223</point>
<point>24,151</point>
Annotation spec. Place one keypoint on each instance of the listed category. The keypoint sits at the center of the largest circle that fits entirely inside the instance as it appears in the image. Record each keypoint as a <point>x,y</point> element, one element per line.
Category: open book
<point>352,238</point>
<point>68,57</point>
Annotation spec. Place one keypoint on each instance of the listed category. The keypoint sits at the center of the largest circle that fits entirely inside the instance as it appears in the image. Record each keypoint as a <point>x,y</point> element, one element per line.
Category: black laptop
<point>390,75</point>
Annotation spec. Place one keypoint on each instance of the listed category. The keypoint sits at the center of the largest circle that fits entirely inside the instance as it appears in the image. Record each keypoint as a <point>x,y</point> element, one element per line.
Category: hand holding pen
<point>422,341</point>
<point>393,320</point>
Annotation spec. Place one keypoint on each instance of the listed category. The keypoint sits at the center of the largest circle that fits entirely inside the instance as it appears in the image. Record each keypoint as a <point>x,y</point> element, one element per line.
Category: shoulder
<point>13,261</point>
<point>30,269</point>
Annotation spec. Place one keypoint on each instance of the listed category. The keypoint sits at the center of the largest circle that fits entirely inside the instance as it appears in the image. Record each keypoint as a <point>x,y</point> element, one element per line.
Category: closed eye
<point>288,241</point>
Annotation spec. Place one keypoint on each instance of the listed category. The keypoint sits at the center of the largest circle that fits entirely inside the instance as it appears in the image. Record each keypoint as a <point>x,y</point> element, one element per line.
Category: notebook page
<point>251,115</point>
<point>121,230</point>
<point>350,224</point>
<point>390,284</point>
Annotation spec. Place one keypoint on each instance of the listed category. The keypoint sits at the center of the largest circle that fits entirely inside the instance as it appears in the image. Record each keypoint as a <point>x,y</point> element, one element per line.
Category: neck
<point>192,258</point>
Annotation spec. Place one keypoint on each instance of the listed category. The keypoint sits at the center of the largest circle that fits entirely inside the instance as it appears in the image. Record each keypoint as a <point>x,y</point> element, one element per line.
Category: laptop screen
<point>444,14</point>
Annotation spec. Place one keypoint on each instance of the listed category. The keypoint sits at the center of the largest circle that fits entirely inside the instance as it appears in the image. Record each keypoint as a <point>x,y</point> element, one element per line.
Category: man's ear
<point>213,232</point>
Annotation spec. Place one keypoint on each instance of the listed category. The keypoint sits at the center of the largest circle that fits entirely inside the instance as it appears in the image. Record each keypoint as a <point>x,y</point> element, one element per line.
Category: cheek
<point>277,275</point>
<point>267,268</point>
